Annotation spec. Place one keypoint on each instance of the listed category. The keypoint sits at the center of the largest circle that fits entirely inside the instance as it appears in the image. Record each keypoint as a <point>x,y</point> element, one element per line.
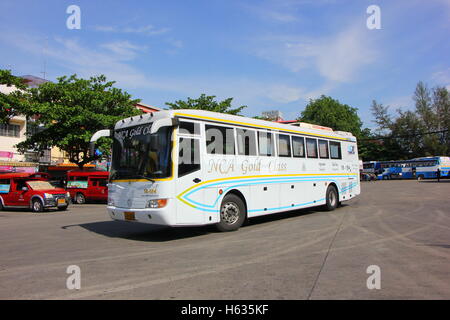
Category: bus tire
<point>232,213</point>
<point>37,205</point>
<point>420,177</point>
<point>1,205</point>
<point>80,198</point>
<point>332,198</point>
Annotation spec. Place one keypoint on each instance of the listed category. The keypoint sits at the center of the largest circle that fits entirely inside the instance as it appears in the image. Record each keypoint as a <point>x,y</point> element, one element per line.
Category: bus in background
<point>418,168</point>
<point>427,167</point>
<point>87,185</point>
<point>194,167</point>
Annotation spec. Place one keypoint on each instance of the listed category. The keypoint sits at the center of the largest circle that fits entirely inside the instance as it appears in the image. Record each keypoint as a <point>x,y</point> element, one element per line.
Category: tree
<point>10,104</point>
<point>382,117</point>
<point>441,107</point>
<point>207,103</point>
<point>71,111</point>
<point>408,134</point>
<point>326,111</point>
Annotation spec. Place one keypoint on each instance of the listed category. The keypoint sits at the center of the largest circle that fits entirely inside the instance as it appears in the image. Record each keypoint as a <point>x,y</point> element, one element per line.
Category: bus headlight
<point>157,203</point>
<point>68,194</point>
<point>48,196</point>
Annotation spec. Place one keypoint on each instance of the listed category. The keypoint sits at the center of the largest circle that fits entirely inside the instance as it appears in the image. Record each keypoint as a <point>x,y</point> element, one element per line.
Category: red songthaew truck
<point>87,185</point>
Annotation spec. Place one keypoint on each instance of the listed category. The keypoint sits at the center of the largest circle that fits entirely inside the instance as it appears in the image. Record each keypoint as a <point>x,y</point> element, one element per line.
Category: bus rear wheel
<point>332,198</point>
<point>232,213</point>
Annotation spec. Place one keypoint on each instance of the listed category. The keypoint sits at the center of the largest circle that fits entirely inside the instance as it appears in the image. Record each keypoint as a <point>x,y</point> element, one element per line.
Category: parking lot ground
<point>401,226</point>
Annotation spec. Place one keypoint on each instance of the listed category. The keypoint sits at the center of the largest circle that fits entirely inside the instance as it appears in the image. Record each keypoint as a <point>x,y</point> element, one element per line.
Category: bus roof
<point>307,129</point>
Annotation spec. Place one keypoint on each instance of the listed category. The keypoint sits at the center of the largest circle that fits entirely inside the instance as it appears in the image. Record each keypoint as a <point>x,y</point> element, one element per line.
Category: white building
<point>10,135</point>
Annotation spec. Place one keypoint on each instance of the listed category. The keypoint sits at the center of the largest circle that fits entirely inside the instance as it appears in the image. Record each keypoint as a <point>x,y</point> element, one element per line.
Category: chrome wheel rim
<point>80,199</point>
<point>36,206</point>
<point>230,213</point>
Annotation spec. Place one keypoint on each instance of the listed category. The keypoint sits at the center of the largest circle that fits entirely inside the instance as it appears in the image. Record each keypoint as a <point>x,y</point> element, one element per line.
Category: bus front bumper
<point>161,216</point>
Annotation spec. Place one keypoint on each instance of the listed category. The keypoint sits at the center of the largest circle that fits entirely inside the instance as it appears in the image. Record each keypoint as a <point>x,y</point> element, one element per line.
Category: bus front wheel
<point>232,213</point>
<point>332,198</point>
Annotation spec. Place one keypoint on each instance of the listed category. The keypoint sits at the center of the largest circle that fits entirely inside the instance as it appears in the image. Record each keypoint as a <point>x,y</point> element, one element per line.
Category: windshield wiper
<point>145,177</point>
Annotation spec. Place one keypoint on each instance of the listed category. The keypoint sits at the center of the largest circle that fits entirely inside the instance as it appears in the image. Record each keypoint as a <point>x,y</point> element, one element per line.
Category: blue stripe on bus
<point>261,180</point>
<point>279,180</point>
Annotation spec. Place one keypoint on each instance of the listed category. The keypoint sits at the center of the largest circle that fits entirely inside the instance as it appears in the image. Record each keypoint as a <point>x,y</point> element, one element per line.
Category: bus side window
<point>189,128</point>
<point>102,182</point>
<point>284,145</point>
<point>266,144</point>
<point>323,149</point>
<point>335,150</point>
<point>298,147</point>
<point>246,141</point>
<point>311,148</point>
<point>219,140</point>
<point>188,156</point>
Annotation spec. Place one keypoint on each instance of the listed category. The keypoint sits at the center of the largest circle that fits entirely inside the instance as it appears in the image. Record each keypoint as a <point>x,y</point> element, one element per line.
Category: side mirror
<point>96,136</point>
<point>24,189</point>
<point>92,148</point>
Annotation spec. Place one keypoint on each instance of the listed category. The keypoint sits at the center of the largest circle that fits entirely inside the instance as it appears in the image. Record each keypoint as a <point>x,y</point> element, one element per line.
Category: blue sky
<point>268,55</point>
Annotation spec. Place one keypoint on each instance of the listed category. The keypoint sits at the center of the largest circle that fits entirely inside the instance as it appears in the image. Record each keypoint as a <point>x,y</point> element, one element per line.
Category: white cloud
<point>337,58</point>
<point>123,49</point>
<point>115,60</point>
<point>442,78</point>
<point>281,11</point>
<point>401,102</point>
<point>148,30</point>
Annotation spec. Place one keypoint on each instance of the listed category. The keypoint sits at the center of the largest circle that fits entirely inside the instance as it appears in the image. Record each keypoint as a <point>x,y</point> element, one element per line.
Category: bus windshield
<point>133,158</point>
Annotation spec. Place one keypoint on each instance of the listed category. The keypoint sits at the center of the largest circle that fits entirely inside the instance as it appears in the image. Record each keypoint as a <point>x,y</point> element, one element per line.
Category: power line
<point>404,136</point>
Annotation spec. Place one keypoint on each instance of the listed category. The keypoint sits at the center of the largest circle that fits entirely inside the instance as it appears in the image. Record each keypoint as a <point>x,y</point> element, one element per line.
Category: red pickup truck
<point>87,185</point>
<point>31,190</point>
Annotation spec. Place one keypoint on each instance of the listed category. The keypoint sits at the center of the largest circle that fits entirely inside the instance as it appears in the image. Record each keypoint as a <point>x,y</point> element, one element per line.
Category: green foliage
<point>207,103</point>
<point>71,111</point>
<point>10,104</point>
<point>326,111</point>
<point>418,133</point>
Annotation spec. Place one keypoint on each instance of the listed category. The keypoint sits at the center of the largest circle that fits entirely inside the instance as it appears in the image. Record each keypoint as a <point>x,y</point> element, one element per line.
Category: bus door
<point>188,175</point>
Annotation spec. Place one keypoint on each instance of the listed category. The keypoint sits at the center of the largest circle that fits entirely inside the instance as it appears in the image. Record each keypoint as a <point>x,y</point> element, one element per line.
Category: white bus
<point>194,167</point>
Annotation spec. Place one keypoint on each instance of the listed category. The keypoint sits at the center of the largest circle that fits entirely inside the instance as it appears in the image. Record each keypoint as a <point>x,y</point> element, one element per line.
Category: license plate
<point>61,201</point>
<point>129,215</point>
